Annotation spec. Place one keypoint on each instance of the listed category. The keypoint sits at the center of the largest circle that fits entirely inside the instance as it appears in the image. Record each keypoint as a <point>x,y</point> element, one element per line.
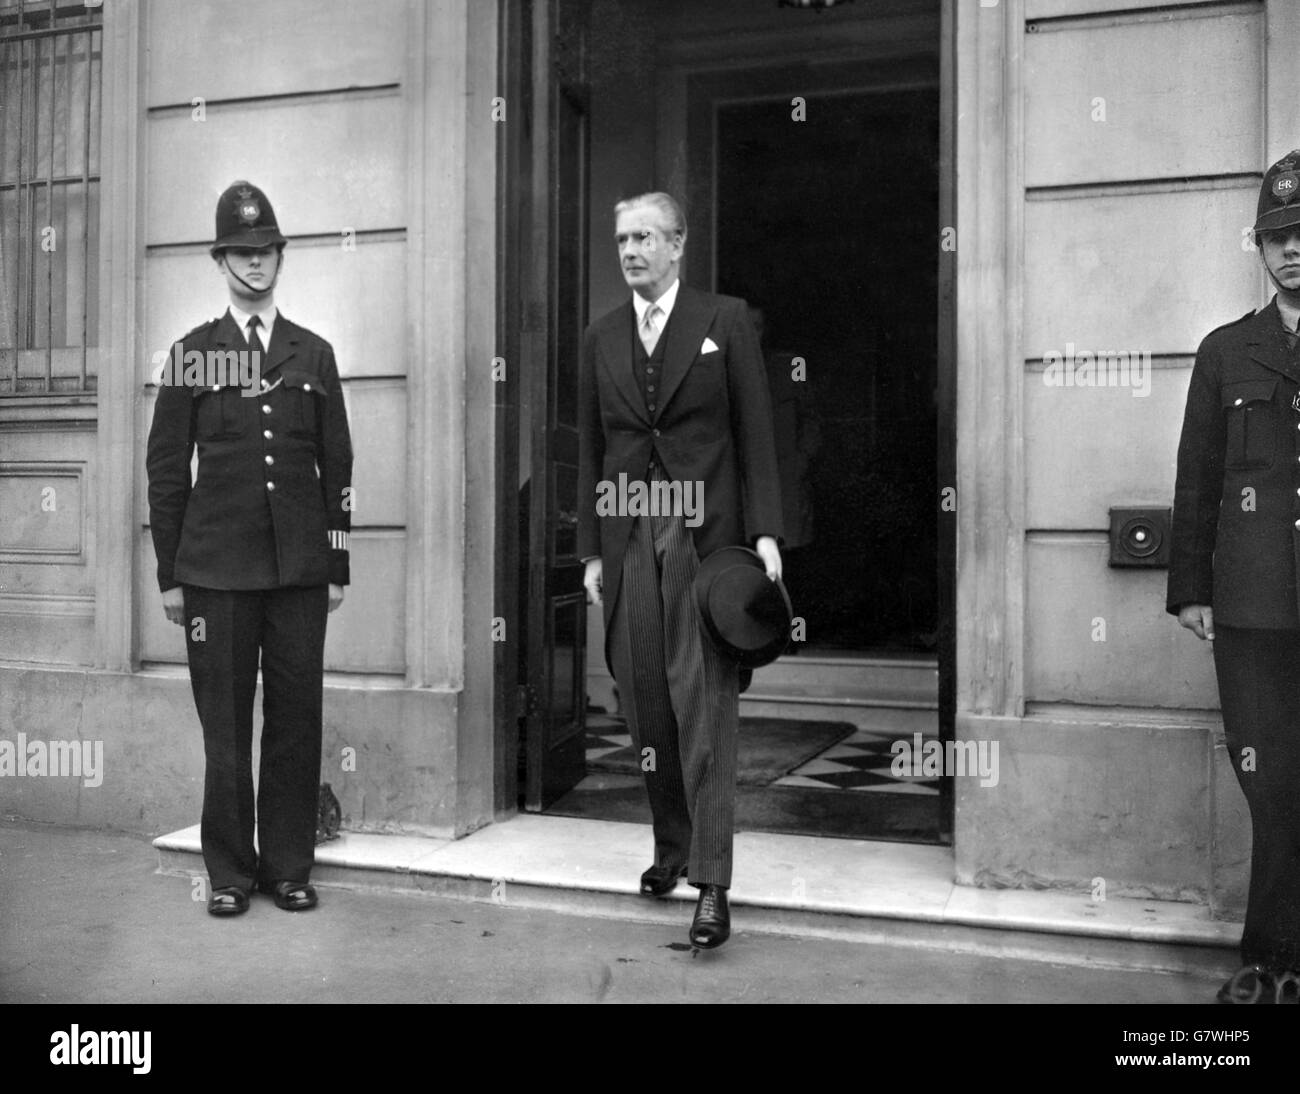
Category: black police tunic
<point>1236,521</point>
<point>271,504</point>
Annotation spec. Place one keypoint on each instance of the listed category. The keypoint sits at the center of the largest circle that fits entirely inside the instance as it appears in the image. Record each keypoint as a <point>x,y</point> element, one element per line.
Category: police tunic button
<point>1238,402</point>
<point>266,408</point>
<point>270,486</point>
<point>306,387</point>
<point>265,385</point>
<point>652,406</point>
<point>267,434</point>
<point>270,460</point>
<point>216,387</point>
<point>655,432</point>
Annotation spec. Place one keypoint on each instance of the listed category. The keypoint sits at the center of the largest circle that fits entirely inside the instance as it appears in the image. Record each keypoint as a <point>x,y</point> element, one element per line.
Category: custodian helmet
<point>1279,196</point>
<point>245,219</point>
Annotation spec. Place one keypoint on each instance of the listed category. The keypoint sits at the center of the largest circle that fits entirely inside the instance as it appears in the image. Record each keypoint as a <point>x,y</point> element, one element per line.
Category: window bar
<point>34,154</point>
<point>4,174</point>
<point>57,241</point>
<point>20,331</point>
<point>85,203</point>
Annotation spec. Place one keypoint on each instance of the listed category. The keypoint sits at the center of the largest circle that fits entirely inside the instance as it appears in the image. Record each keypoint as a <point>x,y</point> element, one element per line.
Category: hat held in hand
<point>745,614</point>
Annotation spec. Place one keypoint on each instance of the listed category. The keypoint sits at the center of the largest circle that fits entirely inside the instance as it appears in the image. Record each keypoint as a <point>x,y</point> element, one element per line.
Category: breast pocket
<point>1251,420</point>
<point>707,372</point>
<point>303,398</point>
<point>220,413</point>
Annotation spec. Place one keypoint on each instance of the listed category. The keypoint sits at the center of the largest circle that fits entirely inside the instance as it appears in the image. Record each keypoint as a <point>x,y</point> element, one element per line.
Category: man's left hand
<point>336,596</point>
<point>770,554</point>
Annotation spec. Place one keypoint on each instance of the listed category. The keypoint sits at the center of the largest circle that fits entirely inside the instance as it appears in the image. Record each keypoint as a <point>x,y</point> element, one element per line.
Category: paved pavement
<point>84,918</point>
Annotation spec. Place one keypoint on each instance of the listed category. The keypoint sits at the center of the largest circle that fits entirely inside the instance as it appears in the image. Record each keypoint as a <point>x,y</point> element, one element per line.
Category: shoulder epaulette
<point>1234,322</point>
<point>201,328</point>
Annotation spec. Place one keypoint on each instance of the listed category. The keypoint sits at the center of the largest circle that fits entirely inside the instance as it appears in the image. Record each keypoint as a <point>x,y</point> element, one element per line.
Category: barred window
<point>50,60</point>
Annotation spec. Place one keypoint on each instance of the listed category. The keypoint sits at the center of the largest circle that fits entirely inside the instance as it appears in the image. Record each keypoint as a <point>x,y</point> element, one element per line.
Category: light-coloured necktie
<point>255,347</point>
<point>650,328</point>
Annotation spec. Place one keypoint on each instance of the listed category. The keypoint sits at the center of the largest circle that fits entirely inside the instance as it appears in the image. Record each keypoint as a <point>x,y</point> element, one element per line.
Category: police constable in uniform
<point>1233,575</point>
<point>253,554</point>
<point>674,388</point>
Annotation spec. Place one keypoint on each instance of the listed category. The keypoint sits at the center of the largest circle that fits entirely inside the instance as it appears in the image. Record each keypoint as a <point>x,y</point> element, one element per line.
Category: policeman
<point>1232,577</point>
<point>253,554</point>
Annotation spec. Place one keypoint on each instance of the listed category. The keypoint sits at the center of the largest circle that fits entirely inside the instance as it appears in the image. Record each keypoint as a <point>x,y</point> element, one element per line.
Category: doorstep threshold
<point>900,893</point>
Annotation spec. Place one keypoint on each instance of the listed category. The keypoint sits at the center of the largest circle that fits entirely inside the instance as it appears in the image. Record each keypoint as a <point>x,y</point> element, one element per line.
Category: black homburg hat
<point>745,614</point>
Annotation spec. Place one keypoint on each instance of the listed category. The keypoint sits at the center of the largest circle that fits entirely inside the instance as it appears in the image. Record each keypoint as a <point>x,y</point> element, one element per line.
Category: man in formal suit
<point>674,395</point>
<point>252,554</point>
<point>1235,556</point>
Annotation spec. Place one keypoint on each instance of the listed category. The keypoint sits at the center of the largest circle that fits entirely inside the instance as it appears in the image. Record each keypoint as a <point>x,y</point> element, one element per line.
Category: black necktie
<point>255,348</point>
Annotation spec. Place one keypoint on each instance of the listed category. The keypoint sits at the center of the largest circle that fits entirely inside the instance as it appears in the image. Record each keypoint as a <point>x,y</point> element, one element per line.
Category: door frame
<point>514,62</point>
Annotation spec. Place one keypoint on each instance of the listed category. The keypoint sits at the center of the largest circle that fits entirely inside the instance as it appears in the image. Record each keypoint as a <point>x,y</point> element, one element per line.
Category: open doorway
<point>830,224</point>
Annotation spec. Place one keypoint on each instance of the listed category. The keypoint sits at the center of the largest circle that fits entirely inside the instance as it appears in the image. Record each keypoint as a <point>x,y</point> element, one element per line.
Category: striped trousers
<point>681,699</point>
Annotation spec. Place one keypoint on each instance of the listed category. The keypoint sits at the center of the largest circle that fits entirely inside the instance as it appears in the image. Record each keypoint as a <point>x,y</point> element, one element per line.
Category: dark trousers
<point>226,632</point>
<point>1259,691</point>
<point>681,699</point>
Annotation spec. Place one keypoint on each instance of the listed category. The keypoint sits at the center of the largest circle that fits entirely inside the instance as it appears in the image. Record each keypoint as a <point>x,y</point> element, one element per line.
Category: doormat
<point>769,749</point>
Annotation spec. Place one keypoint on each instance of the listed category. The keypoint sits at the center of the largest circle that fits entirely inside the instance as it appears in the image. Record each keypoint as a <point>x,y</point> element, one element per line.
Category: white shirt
<point>664,304</point>
<point>267,318</point>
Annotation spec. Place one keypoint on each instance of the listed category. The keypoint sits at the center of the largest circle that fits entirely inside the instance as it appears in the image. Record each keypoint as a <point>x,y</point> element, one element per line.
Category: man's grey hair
<point>667,205</point>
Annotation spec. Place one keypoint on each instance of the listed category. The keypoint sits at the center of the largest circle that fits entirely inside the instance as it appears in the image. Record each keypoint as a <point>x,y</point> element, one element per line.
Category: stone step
<point>865,681</point>
<point>901,722</point>
<point>867,691</point>
<point>894,893</point>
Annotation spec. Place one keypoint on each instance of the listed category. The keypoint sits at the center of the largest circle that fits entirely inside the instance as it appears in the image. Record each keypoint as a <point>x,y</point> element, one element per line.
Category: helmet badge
<point>1286,186</point>
<point>249,210</point>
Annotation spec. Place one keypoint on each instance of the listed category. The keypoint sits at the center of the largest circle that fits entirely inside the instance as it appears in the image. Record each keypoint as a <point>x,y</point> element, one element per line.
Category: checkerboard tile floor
<point>605,734</point>
<point>860,762</point>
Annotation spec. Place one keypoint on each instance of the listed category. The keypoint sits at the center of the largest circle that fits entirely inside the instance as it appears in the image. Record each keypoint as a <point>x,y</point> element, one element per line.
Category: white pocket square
<point>710,346</point>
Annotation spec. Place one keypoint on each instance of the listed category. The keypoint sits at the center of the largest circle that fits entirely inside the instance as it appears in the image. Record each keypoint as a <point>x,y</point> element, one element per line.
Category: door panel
<point>555,725</point>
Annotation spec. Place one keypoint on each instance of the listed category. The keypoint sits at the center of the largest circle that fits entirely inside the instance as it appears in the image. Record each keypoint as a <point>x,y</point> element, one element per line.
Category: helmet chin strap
<point>1288,293</point>
<point>256,291</point>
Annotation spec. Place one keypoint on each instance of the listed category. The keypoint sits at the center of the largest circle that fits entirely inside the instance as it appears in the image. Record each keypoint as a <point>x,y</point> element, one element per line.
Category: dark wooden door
<point>555,721</point>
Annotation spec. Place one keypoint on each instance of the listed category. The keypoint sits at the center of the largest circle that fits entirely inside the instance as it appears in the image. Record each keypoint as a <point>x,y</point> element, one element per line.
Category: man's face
<point>1281,251</point>
<point>648,253</point>
<point>256,266</point>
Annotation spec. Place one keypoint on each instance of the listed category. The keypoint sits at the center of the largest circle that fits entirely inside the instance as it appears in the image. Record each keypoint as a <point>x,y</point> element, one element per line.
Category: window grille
<point>50,73</point>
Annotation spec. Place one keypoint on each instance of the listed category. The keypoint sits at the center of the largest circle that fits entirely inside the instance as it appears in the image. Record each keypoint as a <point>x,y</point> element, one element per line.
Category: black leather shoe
<point>292,896</point>
<point>228,900</point>
<point>1249,984</point>
<point>661,880</point>
<point>1286,988</point>
<point>712,923</point>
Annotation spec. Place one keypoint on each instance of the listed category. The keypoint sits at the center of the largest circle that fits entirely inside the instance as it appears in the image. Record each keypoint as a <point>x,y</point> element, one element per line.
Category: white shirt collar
<point>268,317</point>
<point>665,303</point>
